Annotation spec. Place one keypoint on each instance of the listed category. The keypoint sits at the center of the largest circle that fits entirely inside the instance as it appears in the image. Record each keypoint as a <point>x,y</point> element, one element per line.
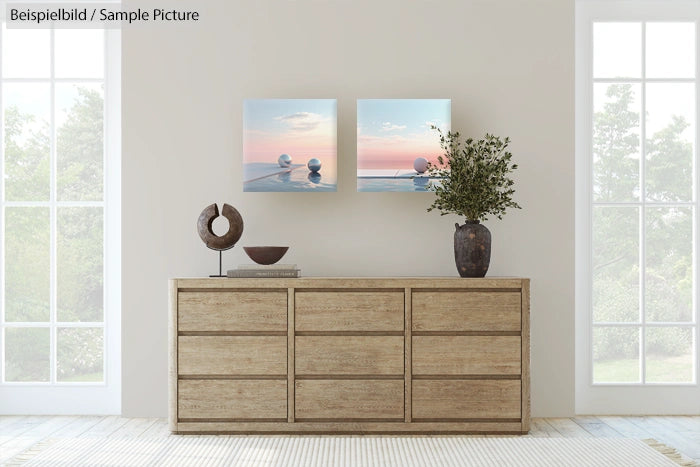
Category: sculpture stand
<point>220,270</point>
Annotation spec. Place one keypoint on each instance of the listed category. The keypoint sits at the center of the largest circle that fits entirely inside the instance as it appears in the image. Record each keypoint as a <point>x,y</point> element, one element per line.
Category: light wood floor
<point>18,433</point>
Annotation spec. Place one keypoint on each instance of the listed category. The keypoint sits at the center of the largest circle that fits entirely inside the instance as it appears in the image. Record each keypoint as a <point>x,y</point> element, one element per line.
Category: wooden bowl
<point>265,254</point>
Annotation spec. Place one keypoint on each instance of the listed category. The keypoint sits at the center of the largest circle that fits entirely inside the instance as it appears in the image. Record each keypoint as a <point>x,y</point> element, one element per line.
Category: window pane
<point>27,145</point>
<point>670,50</point>
<point>27,263</point>
<point>669,268</point>
<point>615,264</point>
<point>615,355</point>
<point>79,352</point>
<point>79,53</point>
<point>670,130</point>
<point>669,355</point>
<point>27,354</point>
<point>616,130</point>
<point>79,264</point>
<point>79,145</point>
<point>617,50</point>
<point>18,45</point>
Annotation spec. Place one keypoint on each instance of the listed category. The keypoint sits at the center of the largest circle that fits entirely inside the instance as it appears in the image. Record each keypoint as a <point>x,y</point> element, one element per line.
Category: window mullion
<point>662,204</point>
<point>48,204</point>
<point>661,324</point>
<point>106,90</point>
<point>53,215</point>
<point>55,80</point>
<point>642,211</point>
<point>590,205</point>
<point>640,80</point>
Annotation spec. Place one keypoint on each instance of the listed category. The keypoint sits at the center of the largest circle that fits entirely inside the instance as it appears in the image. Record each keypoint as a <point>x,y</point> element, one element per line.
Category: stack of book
<point>260,270</point>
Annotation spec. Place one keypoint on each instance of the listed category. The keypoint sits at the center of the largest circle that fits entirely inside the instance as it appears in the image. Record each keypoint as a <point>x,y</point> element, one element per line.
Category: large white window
<point>637,224</point>
<point>59,194</point>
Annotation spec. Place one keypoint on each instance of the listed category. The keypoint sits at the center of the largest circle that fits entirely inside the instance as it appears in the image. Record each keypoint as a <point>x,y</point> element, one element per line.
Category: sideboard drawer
<point>349,399</point>
<point>349,311</point>
<point>232,355</point>
<point>466,311</point>
<point>349,355</point>
<point>466,399</point>
<point>466,355</point>
<point>232,399</point>
<point>232,311</point>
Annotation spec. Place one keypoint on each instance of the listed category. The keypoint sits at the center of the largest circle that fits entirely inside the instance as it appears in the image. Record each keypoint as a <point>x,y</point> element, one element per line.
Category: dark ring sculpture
<point>229,239</point>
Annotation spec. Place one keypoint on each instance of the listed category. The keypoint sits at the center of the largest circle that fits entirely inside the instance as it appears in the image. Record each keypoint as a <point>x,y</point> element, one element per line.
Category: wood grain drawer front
<point>466,311</point>
<point>466,399</point>
<point>466,355</point>
<point>349,399</point>
<point>232,311</point>
<point>349,355</point>
<point>349,311</point>
<point>228,399</point>
<point>232,355</point>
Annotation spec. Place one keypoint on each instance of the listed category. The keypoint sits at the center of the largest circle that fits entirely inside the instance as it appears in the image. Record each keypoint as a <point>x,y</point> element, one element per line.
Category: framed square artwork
<point>290,145</point>
<point>395,142</point>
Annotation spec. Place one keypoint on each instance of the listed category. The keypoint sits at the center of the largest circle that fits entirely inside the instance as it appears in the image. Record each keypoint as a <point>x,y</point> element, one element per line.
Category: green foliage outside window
<point>79,241</point>
<point>668,271</point>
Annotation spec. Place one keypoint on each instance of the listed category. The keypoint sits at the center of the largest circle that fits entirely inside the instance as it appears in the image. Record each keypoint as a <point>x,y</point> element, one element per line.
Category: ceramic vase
<point>472,249</point>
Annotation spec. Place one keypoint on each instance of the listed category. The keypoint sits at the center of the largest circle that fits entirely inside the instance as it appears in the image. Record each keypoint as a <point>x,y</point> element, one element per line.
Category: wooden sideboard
<point>350,355</point>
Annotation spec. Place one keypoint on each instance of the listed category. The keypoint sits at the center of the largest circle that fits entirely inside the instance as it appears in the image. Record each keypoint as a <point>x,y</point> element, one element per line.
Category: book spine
<point>255,273</point>
<point>266,267</point>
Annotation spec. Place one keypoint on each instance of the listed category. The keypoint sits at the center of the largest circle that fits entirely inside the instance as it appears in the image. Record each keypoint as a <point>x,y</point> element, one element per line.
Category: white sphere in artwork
<point>420,165</point>
<point>314,165</point>
<point>285,160</point>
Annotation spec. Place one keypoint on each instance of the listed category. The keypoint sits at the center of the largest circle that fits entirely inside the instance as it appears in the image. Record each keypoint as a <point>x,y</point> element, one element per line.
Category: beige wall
<point>508,67</point>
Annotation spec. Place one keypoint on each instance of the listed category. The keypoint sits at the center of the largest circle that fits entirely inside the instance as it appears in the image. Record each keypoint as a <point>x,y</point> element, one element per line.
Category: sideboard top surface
<point>353,282</point>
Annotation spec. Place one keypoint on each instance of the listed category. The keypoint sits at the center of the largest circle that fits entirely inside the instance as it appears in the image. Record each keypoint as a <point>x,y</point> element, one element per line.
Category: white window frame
<point>78,398</point>
<point>622,398</point>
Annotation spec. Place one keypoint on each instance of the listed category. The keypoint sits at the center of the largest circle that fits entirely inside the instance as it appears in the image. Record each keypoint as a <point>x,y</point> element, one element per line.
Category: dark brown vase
<point>472,249</point>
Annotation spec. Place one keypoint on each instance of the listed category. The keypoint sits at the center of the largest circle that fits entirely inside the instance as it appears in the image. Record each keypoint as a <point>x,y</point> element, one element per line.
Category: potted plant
<point>474,182</point>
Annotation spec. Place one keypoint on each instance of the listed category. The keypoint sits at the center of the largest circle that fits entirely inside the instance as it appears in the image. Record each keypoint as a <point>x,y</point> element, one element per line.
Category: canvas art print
<point>289,145</point>
<point>395,142</point>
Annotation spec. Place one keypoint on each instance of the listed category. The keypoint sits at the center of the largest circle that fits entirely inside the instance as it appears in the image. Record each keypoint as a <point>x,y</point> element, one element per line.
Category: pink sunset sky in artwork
<point>395,153</point>
<point>301,128</point>
<point>392,133</point>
